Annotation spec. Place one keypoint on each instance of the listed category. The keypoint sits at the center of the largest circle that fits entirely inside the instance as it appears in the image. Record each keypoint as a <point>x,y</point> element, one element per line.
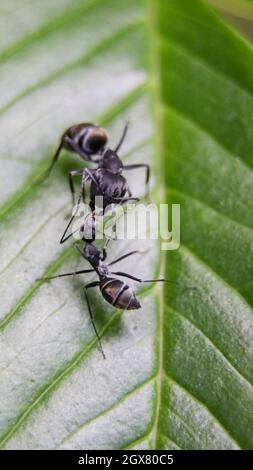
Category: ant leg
<point>141,165</point>
<point>85,177</point>
<point>122,137</point>
<point>104,254</point>
<point>83,195</point>
<point>119,273</point>
<point>123,257</point>
<point>129,191</point>
<point>88,286</point>
<point>71,182</point>
<point>107,243</point>
<point>73,146</point>
<point>54,160</point>
<point>89,173</point>
<point>72,187</point>
<point>75,273</point>
<point>125,199</point>
<point>65,238</point>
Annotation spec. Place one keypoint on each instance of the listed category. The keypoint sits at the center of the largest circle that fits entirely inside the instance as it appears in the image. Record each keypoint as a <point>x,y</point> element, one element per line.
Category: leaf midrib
<point>160,105</point>
<point>155,76</point>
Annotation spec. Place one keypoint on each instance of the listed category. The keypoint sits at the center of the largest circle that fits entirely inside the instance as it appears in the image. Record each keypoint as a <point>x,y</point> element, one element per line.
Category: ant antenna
<point>55,158</point>
<point>122,137</point>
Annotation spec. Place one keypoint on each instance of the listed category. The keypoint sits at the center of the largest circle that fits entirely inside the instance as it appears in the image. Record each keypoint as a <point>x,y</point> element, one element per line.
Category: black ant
<point>106,180</point>
<point>87,140</point>
<point>116,292</point>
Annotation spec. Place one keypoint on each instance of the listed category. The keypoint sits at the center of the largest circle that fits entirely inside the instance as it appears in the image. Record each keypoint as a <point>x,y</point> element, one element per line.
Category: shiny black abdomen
<point>119,294</point>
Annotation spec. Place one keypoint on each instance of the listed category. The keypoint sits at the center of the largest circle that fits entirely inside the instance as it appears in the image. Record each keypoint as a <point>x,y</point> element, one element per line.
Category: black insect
<point>116,292</point>
<point>107,180</point>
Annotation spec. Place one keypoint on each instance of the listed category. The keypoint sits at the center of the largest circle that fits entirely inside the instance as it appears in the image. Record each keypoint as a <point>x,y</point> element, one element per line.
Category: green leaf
<point>178,372</point>
<point>237,8</point>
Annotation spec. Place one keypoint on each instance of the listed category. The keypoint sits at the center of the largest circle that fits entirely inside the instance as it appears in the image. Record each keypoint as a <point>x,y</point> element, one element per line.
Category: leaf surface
<point>178,372</point>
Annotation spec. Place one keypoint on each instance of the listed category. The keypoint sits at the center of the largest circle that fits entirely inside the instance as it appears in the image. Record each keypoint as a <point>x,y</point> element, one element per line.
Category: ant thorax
<point>103,269</point>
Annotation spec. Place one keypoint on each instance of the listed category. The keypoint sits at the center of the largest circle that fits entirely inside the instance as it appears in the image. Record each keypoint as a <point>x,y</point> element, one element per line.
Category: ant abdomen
<point>119,294</point>
<point>89,138</point>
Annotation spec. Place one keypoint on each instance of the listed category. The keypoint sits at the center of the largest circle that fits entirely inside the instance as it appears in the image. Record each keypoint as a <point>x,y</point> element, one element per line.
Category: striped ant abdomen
<point>89,138</point>
<point>119,294</point>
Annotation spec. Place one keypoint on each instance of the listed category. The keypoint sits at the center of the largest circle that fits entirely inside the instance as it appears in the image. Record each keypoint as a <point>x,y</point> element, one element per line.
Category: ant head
<point>91,253</point>
<point>96,139</point>
<point>112,162</point>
